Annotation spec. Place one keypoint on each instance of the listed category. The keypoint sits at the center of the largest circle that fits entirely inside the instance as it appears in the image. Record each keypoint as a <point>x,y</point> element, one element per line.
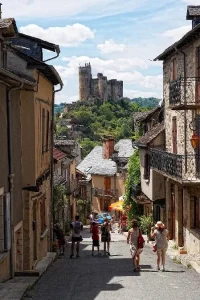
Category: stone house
<point>150,191</point>
<point>103,172</point>
<point>73,152</point>
<point>179,162</point>
<point>26,125</point>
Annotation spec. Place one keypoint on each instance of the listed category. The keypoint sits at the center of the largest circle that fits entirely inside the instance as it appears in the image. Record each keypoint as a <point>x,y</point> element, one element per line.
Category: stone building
<point>27,99</point>
<point>179,162</point>
<point>103,173</point>
<point>98,88</point>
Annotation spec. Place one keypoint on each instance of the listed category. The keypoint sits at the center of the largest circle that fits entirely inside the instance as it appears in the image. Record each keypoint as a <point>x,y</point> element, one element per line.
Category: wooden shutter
<point>174,135</point>
<point>146,166</point>
<point>107,184</point>
<point>197,75</point>
<point>43,130</point>
<point>197,150</point>
<point>173,69</point>
<point>47,132</point>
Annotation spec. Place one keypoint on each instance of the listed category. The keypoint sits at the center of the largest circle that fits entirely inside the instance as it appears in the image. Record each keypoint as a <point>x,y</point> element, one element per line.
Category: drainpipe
<point>57,54</point>
<point>52,220</point>
<point>11,174</point>
<point>185,117</point>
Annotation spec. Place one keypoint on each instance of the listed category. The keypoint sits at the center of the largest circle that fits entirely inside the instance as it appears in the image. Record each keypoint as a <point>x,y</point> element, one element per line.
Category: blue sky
<point>118,38</point>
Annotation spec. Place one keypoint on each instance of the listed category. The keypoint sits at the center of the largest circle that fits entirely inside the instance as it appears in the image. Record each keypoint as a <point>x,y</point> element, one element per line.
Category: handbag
<point>154,248</point>
<point>141,241</point>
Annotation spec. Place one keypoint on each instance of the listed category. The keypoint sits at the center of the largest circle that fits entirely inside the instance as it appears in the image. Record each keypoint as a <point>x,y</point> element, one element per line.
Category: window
<point>146,167</point>
<point>107,185</point>
<point>5,237</point>
<point>42,215</point>
<point>198,74</point>
<point>197,212</point>
<point>174,135</point>
<point>1,225</point>
<point>173,69</point>
<point>45,130</point>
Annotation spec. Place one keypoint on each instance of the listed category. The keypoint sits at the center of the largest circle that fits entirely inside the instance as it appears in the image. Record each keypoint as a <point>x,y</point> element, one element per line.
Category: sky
<point>120,38</point>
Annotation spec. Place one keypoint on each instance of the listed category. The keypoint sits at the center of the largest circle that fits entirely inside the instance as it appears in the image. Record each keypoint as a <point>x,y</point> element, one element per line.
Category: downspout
<point>54,57</point>
<point>185,103</point>
<point>52,220</point>
<point>11,174</point>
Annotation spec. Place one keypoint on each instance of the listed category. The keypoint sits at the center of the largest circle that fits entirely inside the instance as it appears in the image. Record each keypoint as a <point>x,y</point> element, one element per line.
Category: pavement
<point>112,277</point>
<point>15,288</point>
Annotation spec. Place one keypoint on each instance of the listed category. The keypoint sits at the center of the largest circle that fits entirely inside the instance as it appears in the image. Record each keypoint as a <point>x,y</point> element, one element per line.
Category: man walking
<point>76,227</point>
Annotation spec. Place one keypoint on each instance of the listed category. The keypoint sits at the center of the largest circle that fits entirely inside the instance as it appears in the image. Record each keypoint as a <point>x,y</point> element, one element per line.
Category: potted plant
<point>146,222</point>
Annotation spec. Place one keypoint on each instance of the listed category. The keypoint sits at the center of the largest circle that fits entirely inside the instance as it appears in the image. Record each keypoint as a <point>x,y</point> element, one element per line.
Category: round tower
<point>85,77</point>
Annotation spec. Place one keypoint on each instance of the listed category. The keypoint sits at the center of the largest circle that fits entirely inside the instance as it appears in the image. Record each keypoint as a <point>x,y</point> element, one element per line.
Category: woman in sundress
<point>132,240</point>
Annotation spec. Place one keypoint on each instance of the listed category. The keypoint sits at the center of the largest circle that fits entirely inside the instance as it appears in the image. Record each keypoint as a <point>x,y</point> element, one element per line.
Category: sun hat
<point>159,224</point>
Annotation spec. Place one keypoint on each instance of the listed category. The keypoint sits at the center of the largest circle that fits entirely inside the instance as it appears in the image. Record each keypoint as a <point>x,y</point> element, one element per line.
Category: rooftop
<point>57,179</point>
<point>124,148</point>
<point>187,38</point>
<point>144,140</point>
<point>141,116</point>
<point>58,154</point>
<point>64,142</point>
<point>95,164</point>
<point>9,25</point>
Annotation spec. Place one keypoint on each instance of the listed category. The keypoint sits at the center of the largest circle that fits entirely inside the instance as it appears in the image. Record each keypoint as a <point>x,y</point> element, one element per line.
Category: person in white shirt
<point>76,227</point>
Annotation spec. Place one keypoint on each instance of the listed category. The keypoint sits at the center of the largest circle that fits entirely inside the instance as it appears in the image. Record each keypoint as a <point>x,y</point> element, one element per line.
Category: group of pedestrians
<point>136,242</point>
<point>134,239</point>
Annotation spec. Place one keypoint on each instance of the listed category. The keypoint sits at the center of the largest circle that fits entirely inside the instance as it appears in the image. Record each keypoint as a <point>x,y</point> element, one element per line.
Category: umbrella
<point>117,205</point>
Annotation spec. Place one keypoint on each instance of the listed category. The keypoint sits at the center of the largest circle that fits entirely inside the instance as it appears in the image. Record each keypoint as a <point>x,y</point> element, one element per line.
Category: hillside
<point>90,123</point>
<point>148,103</point>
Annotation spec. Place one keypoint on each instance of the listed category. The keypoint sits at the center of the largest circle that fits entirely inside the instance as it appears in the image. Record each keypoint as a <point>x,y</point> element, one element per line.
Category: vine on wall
<point>134,210</point>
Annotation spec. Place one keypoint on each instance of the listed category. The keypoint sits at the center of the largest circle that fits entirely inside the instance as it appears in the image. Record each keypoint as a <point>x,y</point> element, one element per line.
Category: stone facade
<point>99,88</point>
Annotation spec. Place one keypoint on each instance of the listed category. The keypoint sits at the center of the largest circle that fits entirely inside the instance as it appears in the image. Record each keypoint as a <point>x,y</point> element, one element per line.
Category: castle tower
<point>103,87</point>
<point>85,78</point>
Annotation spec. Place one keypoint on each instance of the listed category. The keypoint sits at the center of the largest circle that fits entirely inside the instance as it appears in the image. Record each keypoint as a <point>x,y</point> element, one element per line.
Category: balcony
<point>183,168</point>
<point>105,192</point>
<point>184,93</point>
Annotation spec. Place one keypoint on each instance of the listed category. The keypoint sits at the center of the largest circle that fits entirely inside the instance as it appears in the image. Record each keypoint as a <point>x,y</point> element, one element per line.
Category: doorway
<point>173,211</point>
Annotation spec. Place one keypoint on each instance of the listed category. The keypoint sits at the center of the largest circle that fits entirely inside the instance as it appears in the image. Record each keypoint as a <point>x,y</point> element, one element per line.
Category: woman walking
<point>136,242</point>
<point>105,236</point>
<point>161,235</point>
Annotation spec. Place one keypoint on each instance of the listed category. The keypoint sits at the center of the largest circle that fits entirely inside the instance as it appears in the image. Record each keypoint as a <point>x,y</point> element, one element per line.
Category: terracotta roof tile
<point>58,154</point>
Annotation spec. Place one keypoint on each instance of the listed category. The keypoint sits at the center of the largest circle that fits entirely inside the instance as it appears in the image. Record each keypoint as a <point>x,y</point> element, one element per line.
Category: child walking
<point>95,237</point>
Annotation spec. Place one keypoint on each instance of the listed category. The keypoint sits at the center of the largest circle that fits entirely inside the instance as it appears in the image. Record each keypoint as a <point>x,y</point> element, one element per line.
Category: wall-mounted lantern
<point>194,140</point>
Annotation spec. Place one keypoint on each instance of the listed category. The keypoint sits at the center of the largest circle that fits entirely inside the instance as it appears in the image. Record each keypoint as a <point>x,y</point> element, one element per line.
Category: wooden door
<point>173,210</point>
<point>34,225</point>
<point>174,135</point>
<point>107,185</point>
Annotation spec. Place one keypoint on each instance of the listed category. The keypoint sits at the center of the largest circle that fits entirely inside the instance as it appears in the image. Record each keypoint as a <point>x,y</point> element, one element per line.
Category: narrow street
<point>112,278</point>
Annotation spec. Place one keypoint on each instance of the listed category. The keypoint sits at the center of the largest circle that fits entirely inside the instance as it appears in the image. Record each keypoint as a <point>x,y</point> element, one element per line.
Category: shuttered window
<point>147,166</point>
<point>42,215</point>
<point>174,135</point>
<point>198,75</point>
<point>45,130</point>
<point>197,150</point>
<point>107,185</point>
<point>173,69</point>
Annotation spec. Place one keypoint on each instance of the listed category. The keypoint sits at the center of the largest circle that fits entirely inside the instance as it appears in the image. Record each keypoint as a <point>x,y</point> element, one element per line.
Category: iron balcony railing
<point>105,192</point>
<point>184,92</point>
<point>181,167</point>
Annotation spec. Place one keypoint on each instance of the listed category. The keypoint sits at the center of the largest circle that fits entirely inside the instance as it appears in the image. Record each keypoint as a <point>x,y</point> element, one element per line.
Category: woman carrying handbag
<point>136,242</point>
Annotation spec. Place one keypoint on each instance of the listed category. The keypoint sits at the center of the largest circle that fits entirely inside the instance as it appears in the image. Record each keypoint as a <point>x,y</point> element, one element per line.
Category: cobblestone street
<point>101,278</point>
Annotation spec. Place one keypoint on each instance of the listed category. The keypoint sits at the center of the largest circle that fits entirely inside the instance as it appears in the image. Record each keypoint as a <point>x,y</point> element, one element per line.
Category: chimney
<point>193,13</point>
<point>108,147</point>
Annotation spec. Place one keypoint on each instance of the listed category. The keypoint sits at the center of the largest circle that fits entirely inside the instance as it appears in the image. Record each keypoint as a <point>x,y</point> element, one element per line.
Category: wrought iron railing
<point>184,91</point>
<point>105,192</point>
<point>182,167</point>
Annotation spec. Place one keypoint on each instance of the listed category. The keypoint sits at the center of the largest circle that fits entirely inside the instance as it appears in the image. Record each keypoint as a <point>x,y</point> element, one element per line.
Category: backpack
<point>77,227</point>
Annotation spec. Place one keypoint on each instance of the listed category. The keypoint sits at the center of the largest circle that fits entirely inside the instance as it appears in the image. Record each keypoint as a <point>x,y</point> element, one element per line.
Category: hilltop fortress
<point>99,88</point>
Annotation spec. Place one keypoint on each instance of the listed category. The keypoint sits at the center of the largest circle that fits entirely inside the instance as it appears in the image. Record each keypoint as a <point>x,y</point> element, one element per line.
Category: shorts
<point>95,243</point>
<point>76,239</point>
<point>134,251</point>
<point>161,250</point>
<point>61,242</point>
<point>106,239</point>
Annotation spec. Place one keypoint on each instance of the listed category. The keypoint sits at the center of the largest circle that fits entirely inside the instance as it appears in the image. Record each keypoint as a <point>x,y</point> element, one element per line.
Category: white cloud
<point>110,46</point>
<point>69,8</point>
<point>121,69</point>
<point>68,36</point>
<point>63,98</point>
<point>138,93</point>
<point>177,33</point>
<point>191,2</point>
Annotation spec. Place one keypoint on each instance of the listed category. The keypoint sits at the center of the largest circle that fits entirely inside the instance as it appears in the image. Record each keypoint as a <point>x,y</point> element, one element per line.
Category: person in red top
<point>95,237</point>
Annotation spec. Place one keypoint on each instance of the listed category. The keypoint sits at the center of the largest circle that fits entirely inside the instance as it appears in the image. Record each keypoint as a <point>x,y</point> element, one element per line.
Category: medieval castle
<point>98,88</point>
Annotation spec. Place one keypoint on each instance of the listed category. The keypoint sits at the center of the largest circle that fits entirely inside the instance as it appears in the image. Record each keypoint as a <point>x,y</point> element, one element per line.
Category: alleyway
<point>112,278</point>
